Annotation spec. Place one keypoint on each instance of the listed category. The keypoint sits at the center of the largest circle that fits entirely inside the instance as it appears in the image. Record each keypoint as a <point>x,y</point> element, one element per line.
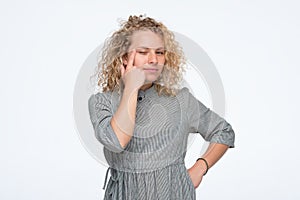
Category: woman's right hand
<point>132,76</point>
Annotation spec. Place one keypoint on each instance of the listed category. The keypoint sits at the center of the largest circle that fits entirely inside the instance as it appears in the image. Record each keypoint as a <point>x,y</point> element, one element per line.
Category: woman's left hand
<point>196,173</point>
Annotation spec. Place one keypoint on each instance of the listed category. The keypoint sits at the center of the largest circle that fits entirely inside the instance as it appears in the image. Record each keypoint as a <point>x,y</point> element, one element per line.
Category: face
<point>150,53</point>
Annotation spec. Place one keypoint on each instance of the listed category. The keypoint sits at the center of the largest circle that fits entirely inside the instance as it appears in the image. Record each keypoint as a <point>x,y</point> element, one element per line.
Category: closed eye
<point>142,52</point>
<point>160,52</point>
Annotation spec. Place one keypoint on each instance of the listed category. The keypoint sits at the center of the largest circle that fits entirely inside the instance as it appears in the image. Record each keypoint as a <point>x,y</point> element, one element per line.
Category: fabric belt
<point>106,178</point>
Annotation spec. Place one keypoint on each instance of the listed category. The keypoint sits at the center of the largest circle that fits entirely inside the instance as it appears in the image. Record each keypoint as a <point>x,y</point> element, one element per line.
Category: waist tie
<point>106,178</point>
<point>115,184</point>
<point>114,188</point>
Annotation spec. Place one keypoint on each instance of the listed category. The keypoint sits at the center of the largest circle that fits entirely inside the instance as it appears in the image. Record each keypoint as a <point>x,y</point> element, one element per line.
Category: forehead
<point>147,39</point>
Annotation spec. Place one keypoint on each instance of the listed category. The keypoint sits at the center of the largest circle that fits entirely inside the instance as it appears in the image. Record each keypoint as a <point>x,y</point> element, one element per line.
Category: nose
<point>152,59</point>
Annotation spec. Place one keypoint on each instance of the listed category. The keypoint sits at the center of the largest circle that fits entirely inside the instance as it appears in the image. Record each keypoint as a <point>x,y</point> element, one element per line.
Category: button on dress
<point>151,166</point>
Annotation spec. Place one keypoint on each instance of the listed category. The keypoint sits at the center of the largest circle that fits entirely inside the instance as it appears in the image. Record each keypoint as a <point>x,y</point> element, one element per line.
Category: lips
<point>151,69</point>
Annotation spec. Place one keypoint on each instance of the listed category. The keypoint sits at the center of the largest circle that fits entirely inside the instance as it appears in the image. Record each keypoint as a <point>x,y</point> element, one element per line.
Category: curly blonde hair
<point>116,46</point>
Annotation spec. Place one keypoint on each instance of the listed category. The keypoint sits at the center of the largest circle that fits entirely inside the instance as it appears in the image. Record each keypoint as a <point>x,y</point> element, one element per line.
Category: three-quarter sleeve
<point>100,115</point>
<point>209,124</point>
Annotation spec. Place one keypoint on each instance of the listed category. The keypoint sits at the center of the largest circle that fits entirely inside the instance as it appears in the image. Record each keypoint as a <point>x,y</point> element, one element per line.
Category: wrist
<point>202,165</point>
<point>130,89</point>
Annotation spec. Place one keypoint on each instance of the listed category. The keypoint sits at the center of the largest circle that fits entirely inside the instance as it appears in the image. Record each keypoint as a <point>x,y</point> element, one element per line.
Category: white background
<point>43,44</point>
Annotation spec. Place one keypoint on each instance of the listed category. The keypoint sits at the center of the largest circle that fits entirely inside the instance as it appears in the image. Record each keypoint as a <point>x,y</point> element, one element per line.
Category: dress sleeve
<point>209,124</point>
<point>100,116</point>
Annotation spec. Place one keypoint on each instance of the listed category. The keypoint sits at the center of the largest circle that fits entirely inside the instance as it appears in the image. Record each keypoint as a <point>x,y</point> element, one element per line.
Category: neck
<point>146,86</point>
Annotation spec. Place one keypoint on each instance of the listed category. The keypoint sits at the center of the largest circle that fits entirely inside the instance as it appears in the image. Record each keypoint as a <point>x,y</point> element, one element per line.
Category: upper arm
<point>209,124</point>
<point>100,115</point>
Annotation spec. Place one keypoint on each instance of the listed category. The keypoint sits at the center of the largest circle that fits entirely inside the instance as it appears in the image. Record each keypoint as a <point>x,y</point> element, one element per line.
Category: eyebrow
<point>147,48</point>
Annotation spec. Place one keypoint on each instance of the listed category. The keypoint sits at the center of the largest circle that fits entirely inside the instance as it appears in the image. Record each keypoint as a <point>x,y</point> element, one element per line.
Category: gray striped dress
<point>151,166</point>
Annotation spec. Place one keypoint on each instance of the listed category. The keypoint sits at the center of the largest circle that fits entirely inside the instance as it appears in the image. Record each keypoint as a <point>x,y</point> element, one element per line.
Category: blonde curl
<point>116,46</point>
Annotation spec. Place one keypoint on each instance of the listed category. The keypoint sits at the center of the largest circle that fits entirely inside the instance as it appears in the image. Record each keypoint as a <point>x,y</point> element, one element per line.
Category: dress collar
<point>144,94</point>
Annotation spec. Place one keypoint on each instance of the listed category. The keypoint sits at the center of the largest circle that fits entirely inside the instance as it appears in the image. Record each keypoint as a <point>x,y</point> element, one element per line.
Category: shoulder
<point>189,98</point>
<point>184,90</point>
<point>99,97</point>
<point>184,96</point>
<point>184,93</point>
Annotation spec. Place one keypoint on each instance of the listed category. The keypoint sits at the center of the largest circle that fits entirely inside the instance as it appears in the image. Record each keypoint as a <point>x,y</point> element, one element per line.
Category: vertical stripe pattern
<point>151,166</point>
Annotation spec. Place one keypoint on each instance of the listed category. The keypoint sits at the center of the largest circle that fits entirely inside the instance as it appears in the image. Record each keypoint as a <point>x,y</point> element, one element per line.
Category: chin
<point>151,79</point>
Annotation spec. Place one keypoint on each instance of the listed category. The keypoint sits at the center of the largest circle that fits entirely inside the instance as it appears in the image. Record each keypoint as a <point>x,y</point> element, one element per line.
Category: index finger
<point>131,59</point>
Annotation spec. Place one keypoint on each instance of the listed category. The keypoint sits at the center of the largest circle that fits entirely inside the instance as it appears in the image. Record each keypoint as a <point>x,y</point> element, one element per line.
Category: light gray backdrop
<point>253,44</point>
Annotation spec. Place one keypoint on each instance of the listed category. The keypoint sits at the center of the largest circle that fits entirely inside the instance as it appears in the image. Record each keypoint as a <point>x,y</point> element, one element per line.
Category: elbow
<point>109,140</point>
<point>225,136</point>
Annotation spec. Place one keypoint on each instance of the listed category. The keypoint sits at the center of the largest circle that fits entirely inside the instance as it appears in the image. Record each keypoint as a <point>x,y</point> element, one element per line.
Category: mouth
<point>151,69</point>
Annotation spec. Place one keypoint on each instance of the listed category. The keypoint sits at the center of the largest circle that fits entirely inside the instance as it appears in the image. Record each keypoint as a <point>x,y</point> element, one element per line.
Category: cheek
<point>161,60</point>
<point>139,61</point>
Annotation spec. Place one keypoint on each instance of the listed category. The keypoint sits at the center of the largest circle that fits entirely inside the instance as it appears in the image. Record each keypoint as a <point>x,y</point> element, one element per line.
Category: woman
<point>143,118</point>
